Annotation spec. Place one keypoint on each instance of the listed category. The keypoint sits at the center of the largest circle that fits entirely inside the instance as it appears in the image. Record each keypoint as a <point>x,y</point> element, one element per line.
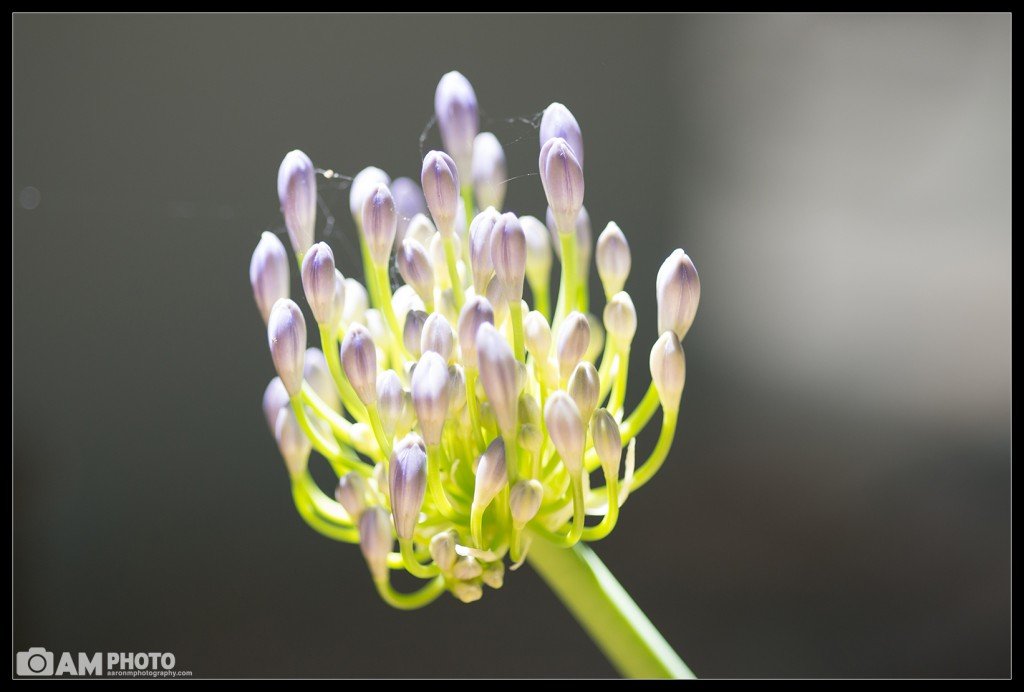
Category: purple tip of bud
<point>437,336</point>
<point>415,268</point>
<point>409,202</point>
<point>557,121</point>
<point>678,293</point>
<point>296,188</point>
<point>268,273</point>
<point>491,474</point>
<point>407,480</point>
<point>363,184</point>
<point>380,223</point>
<point>375,540</point>
<point>458,116</point>
<point>275,397</point>
<point>412,331</point>
<point>430,395</point>
<point>286,333</point>
<point>565,428</point>
<point>359,361</point>
<point>562,177</point>
<point>440,179</point>
<point>476,312</point>
<point>490,171</point>
<point>508,254</point>
<point>319,281</point>
<point>498,375</point>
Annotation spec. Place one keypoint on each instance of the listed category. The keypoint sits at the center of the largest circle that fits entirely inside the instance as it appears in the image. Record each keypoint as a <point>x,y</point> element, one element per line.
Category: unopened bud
<point>286,332</point>
<point>562,177</point>
<point>275,397</point>
<point>491,473</point>
<point>538,252</point>
<point>357,302</point>
<point>573,340</point>
<point>390,400</point>
<point>404,300</point>
<point>467,568</point>
<point>480,233</point>
<point>524,501</point>
<point>291,441</point>
<point>296,189</point>
<point>613,259</point>
<point>408,203</point>
<point>498,299</point>
<point>678,291</point>
<point>458,117</point>
<point>407,478</point>
<point>530,438</point>
<point>490,172</point>
<point>585,389</point>
<point>268,273</point>
<point>338,306</point>
<point>317,374</point>
<point>438,259</point>
<point>380,224</point>
<point>565,428</point>
<point>498,376</point>
<point>375,540</point>
<point>359,361</point>
<point>475,312</point>
<point>351,494</point>
<point>421,229</point>
<point>607,441</point>
<point>442,550</point>
<point>437,336</point>
<point>557,121</point>
<point>318,282</point>
<point>508,254</point>
<point>494,575</point>
<point>457,391</point>
<point>430,395</point>
<point>620,319</point>
<point>365,182</point>
<point>467,592</point>
<point>440,180</point>
<point>537,334</point>
<point>414,266</point>
<point>668,370</point>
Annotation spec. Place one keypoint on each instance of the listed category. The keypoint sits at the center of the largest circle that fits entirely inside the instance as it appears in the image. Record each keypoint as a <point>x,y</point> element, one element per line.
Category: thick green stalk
<point>604,609</point>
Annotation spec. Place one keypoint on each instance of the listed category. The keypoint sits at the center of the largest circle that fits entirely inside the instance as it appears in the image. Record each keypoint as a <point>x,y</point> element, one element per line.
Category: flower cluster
<point>462,425</point>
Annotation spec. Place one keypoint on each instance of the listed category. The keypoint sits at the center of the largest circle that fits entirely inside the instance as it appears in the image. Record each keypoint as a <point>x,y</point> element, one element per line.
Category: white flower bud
<point>557,121</point>
<point>365,182</point>
<point>508,255</point>
<point>296,189</point>
<point>537,334</point>
<point>585,389</point>
<point>319,282</point>
<point>442,550</point>
<point>475,312</point>
<point>268,273</point>
<point>378,329</point>
<point>494,575</point>
<point>668,370</point>
<point>286,332</point>
<point>375,540</point>
<point>524,501</point>
<point>275,397</point>
<point>565,428</point>
<point>613,259</point>
<point>604,431</point>
<point>380,224</point>
<point>412,332</point>
<point>404,300</point>
<point>498,376</point>
<point>458,117</point>
<point>480,261</point>
<point>414,266</point>
<point>562,177</point>
<point>317,374</point>
<point>357,302</point>
<point>359,361</point>
<point>338,304</point>
<point>467,592</point>
<point>530,438</point>
<point>678,291</point>
<point>539,258</point>
<point>573,340</point>
<point>594,350</point>
<point>438,259</point>
<point>291,441</point>
<point>437,336</point>
<point>430,395</point>
<point>440,180</point>
<point>491,473</point>
<point>421,229</point>
<point>390,400</point>
<point>457,391</point>
<point>620,319</point>
<point>467,568</point>
<point>496,296</point>
<point>407,479</point>
<point>490,172</point>
<point>351,494</point>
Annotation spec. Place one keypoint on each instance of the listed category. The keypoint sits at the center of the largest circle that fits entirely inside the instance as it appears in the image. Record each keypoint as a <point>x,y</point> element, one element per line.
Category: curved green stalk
<point>410,601</point>
<point>650,467</point>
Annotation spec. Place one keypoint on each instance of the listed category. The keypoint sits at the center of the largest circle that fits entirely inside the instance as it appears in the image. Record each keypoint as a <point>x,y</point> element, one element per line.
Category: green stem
<point>650,467</point>
<point>608,614</point>
<point>453,271</point>
<point>515,308</point>
<point>568,293</point>
<point>410,601</point>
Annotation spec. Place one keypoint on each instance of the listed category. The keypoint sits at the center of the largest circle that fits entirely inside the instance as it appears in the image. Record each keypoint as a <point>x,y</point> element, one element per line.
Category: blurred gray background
<point>838,500</point>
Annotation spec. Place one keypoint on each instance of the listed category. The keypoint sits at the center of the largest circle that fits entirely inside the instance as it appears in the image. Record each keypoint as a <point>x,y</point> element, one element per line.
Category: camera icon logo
<point>35,661</point>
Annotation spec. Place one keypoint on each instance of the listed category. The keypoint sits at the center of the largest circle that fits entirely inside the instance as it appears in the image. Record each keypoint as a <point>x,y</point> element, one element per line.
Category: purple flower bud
<point>412,332</point>
<point>585,389</point>
<point>437,336</point>
<point>607,441</point>
<point>351,494</point>
<point>292,442</point>
<point>565,428</point>
<point>476,312</point>
<point>268,273</point>
<point>407,480</point>
<point>430,395</point>
<point>537,334</point>
<point>458,116</point>
<point>562,177</point>
<point>390,400</point>
<point>490,172</point>
<point>286,333</point>
<point>613,259</point>
<point>508,254</point>
<point>620,319</point>
<point>678,292</point>
<point>457,391</point>
<point>573,340</point>
<point>480,233</point>
<point>408,203</point>
<point>275,397</point>
<point>440,180</point>
<point>319,281</point>
<point>442,550</point>
<point>296,188</point>
<point>491,474</point>
<point>496,296</point>
<point>380,223</point>
<point>414,266</point>
<point>365,182</point>
<point>498,376</point>
<point>318,376</point>
<point>557,121</point>
<point>668,370</point>
<point>524,500</point>
<point>375,541</point>
<point>359,361</point>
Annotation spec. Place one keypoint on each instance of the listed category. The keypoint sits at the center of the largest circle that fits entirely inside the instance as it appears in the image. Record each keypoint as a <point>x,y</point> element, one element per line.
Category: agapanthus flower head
<point>472,410</point>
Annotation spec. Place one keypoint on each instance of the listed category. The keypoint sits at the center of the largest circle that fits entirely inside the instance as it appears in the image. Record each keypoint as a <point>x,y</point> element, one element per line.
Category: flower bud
<point>286,332</point>
<point>620,319</point>
<point>529,410</point>
<point>530,438</point>
<point>458,117</point>
<point>442,550</point>
<point>390,400</point>
<point>291,441</point>
<point>365,182</point>
<point>440,180</point>
<point>607,441</point>
<point>475,312</point>
<point>490,172</point>
<point>494,575</point>
<point>407,479</point>
<point>480,233</point>
<point>421,229</point>
<point>316,373</point>
<point>467,592</point>
<point>491,473</point>
<point>412,332</point>
<point>537,335</point>
<point>351,494</point>
<point>557,121</point>
<point>408,203</point>
<point>404,300</point>
<point>467,568</point>
<point>496,296</point>
<point>296,188</point>
<point>562,177</point>
<point>613,259</point>
<point>538,252</point>
<point>524,501</point>
<point>268,273</point>
<point>457,391</point>
<point>318,281</point>
<point>565,428</point>
<point>594,350</point>
<point>437,336</point>
<point>359,361</point>
<point>338,303</point>
<point>437,258</point>
<point>430,395</point>
<point>375,540</point>
<point>508,254</point>
<point>573,340</point>
<point>678,291</point>
<point>357,302</point>
<point>414,266</point>
<point>380,477</point>
<point>498,376</point>
<point>275,397</point>
<point>668,370</point>
<point>585,389</point>
<point>380,224</point>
